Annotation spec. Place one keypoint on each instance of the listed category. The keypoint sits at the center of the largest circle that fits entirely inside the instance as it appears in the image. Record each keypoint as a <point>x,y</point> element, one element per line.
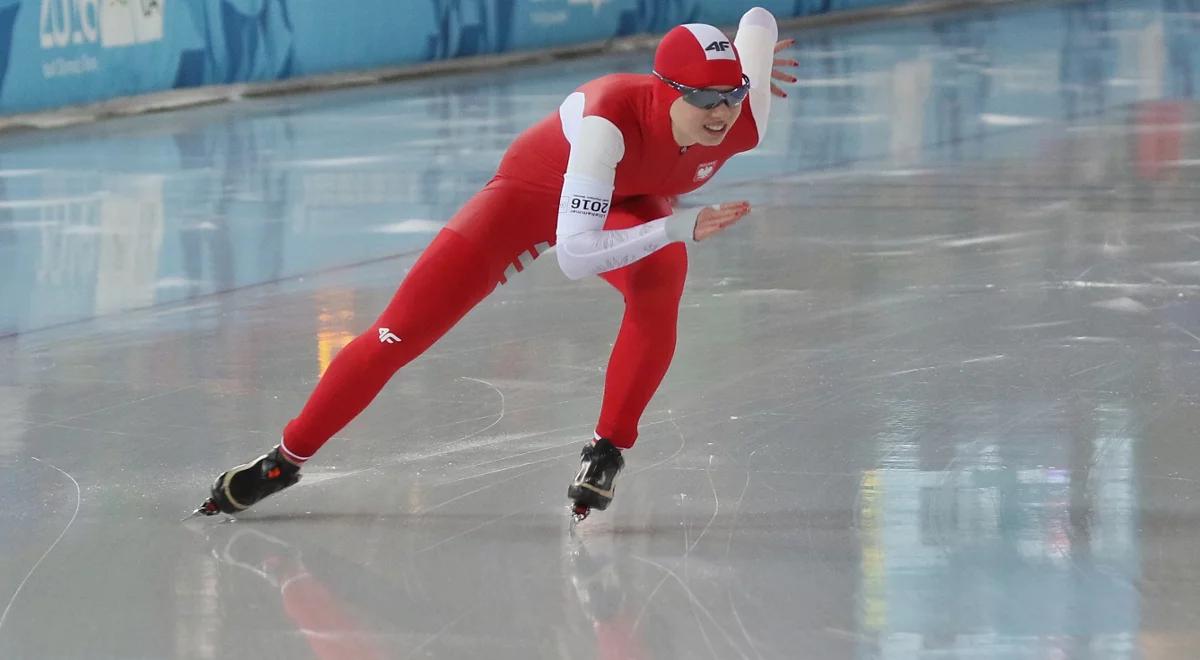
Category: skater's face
<point>708,127</point>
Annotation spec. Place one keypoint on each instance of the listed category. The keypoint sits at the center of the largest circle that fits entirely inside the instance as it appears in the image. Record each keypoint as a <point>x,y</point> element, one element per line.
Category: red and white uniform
<point>596,178</point>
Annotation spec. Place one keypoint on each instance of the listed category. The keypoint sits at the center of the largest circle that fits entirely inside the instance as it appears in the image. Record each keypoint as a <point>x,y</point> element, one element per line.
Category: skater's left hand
<point>777,71</point>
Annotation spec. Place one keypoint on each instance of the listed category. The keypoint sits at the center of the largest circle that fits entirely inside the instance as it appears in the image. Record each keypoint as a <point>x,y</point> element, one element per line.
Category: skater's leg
<point>483,244</point>
<point>652,287</point>
<point>645,343</point>
<point>447,280</point>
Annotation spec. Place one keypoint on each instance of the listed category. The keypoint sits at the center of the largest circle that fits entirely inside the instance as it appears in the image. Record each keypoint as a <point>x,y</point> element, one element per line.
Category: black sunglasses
<point>707,99</point>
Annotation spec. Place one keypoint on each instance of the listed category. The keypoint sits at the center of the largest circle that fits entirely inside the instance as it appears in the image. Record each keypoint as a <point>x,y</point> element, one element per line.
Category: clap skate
<point>240,487</point>
<point>594,486</point>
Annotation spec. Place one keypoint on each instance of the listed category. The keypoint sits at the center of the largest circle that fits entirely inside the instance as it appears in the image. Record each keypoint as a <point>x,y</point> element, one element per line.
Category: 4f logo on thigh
<point>386,337</point>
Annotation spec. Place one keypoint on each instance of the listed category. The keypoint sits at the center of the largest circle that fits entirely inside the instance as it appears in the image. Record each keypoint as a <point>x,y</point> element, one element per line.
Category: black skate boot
<point>600,462</point>
<point>238,488</point>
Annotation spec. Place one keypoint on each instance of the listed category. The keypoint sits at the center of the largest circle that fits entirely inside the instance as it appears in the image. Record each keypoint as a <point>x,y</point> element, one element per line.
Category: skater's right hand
<point>714,219</point>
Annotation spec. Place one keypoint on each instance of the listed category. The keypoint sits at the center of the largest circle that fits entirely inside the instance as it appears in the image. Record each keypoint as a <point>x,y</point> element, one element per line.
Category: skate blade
<point>579,513</point>
<point>209,508</point>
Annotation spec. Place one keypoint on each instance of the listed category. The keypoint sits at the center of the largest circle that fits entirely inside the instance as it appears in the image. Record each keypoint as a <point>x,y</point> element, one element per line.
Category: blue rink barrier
<point>56,53</point>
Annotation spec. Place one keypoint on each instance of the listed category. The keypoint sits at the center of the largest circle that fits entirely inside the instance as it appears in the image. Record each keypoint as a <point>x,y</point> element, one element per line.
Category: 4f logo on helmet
<point>715,43</point>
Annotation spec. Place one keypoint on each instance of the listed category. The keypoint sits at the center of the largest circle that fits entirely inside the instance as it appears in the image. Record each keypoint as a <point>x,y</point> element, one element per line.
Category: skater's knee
<point>661,278</point>
<point>655,298</point>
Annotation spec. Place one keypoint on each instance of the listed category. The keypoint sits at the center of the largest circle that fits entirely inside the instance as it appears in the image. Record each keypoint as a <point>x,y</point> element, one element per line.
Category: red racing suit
<point>596,177</point>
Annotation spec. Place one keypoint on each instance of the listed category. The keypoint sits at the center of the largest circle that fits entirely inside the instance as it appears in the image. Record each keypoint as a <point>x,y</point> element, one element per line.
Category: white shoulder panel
<point>597,148</point>
<point>570,112</point>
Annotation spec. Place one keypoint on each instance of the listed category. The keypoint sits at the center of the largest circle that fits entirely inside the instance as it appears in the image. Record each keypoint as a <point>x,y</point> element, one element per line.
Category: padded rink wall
<point>58,53</point>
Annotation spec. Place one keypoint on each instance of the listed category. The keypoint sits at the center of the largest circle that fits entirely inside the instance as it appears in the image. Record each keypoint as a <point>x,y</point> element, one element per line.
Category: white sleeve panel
<point>584,246</point>
<point>756,37</point>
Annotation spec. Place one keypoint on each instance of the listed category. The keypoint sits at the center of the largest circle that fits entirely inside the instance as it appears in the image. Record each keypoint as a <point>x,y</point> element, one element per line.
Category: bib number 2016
<point>589,205</point>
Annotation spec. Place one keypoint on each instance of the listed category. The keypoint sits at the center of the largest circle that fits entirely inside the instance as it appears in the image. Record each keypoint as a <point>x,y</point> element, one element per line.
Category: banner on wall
<point>56,53</point>
<point>113,24</point>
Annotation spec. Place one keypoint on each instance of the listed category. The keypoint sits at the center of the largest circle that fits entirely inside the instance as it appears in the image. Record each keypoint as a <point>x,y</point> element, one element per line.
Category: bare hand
<point>778,73</point>
<point>712,220</point>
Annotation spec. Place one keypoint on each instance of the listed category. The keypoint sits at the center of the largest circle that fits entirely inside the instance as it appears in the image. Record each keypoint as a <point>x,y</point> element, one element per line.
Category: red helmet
<point>698,55</point>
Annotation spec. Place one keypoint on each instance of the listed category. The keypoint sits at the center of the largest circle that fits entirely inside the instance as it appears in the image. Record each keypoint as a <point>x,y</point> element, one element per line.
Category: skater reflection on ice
<point>597,178</point>
<point>596,583</point>
<point>335,602</point>
<point>323,618</point>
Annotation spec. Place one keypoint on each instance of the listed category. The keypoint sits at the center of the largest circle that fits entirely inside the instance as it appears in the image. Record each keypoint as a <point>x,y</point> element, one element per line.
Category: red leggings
<point>498,232</point>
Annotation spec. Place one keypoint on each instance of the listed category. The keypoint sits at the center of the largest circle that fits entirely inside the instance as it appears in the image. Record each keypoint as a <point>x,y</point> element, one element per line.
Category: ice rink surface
<point>937,397</point>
